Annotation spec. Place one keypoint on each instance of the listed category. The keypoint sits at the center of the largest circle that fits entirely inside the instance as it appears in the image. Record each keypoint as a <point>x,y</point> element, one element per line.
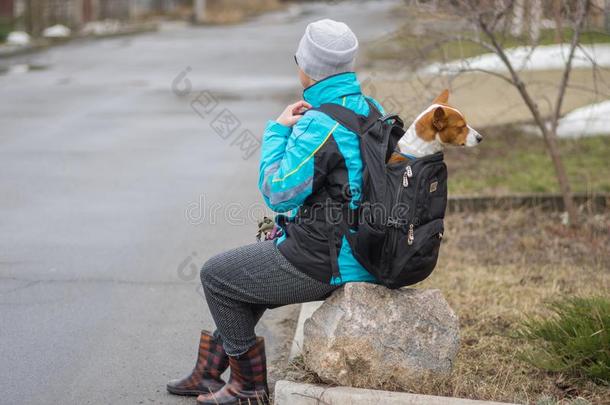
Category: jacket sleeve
<point>286,176</point>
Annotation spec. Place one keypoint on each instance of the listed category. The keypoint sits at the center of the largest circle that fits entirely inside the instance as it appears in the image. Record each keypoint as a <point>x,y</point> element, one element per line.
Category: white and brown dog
<point>438,125</point>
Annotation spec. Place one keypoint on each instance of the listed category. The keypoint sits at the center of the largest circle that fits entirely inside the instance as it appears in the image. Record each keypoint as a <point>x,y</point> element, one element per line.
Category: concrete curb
<point>291,393</point>
<point>547,202</point>
<point>307,309</point>
<point>9,51</point>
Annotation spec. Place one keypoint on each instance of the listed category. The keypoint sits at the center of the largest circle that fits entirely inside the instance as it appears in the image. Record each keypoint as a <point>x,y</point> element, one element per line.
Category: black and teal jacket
<point>316,160</point>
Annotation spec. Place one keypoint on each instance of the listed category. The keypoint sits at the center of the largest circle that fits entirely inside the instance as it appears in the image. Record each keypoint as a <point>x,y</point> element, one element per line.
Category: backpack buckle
<point>397,120</point>
<point>394,223</point>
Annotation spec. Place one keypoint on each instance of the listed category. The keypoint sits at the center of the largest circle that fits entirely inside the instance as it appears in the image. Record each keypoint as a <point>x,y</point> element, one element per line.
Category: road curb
<point>291,393</point>
<point>307,309</point>
<point>9,51</point>
<point>545,201</point>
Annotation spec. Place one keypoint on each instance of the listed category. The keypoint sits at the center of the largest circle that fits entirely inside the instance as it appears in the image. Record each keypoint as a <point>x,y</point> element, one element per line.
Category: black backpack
<point>400,218</point>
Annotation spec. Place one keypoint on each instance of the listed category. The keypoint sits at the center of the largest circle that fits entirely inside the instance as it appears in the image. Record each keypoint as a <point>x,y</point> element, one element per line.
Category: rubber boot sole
<point>188,393</point>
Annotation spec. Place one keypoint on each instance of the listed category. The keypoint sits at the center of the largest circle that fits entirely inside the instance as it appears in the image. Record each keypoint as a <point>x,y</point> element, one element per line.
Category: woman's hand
<point>293,113</point>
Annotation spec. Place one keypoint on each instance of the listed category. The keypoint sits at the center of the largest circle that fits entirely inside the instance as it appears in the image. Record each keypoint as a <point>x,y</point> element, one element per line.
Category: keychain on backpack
<point>268,230</point>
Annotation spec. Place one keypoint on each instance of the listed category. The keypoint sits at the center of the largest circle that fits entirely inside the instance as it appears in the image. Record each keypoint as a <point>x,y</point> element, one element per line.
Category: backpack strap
<point>374,114</point>
<point>349,119</point>
<point>358,124</point>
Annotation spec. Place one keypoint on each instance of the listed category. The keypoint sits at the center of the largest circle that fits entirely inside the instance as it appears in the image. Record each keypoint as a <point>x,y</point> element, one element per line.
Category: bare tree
<point>535,19</point>
<point>35,19</point>
<point>518,18</point>
<point>492,21</point>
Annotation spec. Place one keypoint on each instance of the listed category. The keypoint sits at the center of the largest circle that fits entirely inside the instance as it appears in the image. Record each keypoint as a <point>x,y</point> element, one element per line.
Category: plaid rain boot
<point>248,382</point>
<point>212,361</point>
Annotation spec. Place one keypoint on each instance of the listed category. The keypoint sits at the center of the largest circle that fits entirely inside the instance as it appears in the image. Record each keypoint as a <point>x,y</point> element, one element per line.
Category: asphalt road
<point>117,180</point>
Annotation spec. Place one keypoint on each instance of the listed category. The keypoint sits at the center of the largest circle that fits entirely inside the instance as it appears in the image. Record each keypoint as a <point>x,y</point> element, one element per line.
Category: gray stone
<point>368,336</point>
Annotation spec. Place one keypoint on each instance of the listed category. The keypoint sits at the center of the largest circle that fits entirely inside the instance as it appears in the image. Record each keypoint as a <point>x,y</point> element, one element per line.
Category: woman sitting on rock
<point>308,160</point>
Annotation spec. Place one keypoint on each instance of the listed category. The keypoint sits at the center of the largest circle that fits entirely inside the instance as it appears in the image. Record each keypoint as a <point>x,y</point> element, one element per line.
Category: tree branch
<point>516,79</point>
<point>548,134</point>
<point>489,72</point>
<point>568,68</point>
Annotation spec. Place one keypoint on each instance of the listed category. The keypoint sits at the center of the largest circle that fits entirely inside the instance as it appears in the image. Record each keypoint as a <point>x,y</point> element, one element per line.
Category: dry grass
<point>298,371</point>
<point>234,11</point>
<point>495,268</point>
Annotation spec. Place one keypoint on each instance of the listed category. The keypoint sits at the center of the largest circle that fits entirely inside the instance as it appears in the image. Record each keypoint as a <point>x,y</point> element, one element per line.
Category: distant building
<point>7,8</point>
<point>36,15</point>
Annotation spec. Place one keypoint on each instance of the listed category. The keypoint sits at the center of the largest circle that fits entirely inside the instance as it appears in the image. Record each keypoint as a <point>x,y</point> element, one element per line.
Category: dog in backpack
<point>438,125</point>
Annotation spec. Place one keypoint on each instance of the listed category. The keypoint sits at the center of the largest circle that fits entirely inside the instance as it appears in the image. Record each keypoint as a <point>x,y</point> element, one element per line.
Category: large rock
<point>368,336</point>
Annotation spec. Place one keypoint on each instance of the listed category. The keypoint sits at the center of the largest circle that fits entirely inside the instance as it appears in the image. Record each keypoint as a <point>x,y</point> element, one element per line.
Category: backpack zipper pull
<point>411,236</point>
<point>405,177</point>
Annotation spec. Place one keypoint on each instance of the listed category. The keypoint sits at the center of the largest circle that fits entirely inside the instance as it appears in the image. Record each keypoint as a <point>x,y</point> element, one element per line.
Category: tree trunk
<point>535,20</point>
<point>200,8</point>
<point>552,134</point>
<point>562,177</point>
<point>549,135</point>
<point>36,14</point>
<point>517,22</point>
<point>607,13</point>
<point>557,7</point>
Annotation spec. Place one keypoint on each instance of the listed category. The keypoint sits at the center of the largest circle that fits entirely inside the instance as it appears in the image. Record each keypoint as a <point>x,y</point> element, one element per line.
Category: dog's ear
<point>439,120</point>
<point>443,97</point>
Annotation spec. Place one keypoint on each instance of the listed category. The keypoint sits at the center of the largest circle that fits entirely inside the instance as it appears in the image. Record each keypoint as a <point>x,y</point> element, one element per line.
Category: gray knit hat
<point>327,48</point>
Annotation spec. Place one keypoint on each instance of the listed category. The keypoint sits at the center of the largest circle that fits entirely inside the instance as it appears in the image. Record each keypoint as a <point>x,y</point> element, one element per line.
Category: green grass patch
<point>433,48</point>
<point>574,340</point>
<point>458,49</point>
<point>6,27</point>
<point>508,161</point>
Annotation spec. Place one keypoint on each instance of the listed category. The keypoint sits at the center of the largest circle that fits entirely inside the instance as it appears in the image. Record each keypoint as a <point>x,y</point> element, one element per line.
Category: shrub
<point>574,339</point>
<point>5,28</point>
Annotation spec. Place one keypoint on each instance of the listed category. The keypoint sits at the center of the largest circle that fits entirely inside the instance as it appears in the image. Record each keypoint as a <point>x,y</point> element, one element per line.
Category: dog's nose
<point>479,138</point>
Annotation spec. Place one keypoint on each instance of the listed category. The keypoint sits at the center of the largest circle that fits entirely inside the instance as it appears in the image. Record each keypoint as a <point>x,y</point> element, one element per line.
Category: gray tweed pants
<point>240,284</point>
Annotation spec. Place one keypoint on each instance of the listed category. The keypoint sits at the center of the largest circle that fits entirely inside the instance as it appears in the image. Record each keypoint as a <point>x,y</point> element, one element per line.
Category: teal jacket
<point>317,160</point>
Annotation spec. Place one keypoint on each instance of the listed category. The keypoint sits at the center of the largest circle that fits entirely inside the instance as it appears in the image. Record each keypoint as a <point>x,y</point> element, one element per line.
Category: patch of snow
<point>102,27</point>
<point>19,69</point>
<point>589,120</point>
<point>20,38</point>
<point>57,31</point>
<point>547,57</point>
